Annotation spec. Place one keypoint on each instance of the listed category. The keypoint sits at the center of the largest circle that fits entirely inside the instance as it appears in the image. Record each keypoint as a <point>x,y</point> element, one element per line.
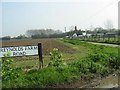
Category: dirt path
<point>110,81</point>
<point>106,44</point>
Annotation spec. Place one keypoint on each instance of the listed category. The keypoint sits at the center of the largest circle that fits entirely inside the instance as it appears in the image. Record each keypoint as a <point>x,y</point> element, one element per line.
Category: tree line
<point>50,33</point>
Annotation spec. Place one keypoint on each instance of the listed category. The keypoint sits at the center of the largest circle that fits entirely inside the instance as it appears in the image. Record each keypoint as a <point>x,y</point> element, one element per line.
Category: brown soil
<point>47,45</point>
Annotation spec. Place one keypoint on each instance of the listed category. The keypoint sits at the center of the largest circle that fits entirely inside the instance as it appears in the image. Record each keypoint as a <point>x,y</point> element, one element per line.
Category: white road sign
<point>19,50</point>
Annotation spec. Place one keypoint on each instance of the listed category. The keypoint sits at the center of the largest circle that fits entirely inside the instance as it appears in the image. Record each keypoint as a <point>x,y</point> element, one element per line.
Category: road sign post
<point>40,55</point>
<point>23,51</point>
<point>19,50</point>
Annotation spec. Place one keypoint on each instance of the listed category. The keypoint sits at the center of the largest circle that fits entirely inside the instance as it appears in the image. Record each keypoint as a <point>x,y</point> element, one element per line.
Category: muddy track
<point>108,82</point>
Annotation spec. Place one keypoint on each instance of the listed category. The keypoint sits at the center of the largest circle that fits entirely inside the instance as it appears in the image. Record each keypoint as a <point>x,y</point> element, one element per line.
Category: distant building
<point>89,35</point>
<point>80,36</point>
<point>67,36</point>
<point>100,34</point>
<point>111,34</point>
<point>84,33</point>
<point>74,35</point>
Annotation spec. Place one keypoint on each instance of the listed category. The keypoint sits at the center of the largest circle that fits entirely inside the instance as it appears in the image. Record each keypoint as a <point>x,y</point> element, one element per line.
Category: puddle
<point>109,82</point>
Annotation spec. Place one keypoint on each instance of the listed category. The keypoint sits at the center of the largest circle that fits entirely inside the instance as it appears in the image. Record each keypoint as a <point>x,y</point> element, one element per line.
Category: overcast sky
<point>20,15</point>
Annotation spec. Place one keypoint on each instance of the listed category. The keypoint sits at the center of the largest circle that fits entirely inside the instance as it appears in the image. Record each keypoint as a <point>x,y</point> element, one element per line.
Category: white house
<point>88,35</point>
<point>74,35</point>
<point>80,36</point>
<point>84,33</point>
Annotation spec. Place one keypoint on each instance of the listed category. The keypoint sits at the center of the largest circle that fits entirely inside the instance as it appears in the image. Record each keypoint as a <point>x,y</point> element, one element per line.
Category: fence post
<point>40,55</point>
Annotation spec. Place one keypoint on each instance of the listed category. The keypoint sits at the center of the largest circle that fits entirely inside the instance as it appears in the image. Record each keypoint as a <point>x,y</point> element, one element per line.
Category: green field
<point>85,63</point>
<point>111,40</point>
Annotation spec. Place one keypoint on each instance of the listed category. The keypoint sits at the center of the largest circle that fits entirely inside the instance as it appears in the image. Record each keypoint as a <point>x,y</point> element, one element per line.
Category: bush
<point>103,70</point>
<point>56,58</point>
<point>8,72</point>
<point>114,62</point>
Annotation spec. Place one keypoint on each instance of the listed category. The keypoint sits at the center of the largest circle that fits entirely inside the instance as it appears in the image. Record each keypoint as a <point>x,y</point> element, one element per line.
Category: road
<point>106,44</point>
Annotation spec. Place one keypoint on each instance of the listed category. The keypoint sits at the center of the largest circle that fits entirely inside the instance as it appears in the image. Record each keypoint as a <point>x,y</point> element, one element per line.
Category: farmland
<point>110,40</point>
<point>81,61</point>
<point>70,52</point>
<point>48,45</point>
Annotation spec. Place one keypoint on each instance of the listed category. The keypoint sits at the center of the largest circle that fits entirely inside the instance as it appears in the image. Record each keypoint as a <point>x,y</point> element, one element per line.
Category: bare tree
<point>108,24</point>
<point>92,27</point>
<point>71,28</point>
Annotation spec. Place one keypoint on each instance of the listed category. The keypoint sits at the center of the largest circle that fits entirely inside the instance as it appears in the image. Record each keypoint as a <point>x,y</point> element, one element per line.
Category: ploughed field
<point>47,45</point>
<point>30,62</point>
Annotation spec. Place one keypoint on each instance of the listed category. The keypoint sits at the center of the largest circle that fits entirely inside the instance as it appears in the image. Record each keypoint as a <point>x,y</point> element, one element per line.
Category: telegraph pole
<point>65,29</point>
